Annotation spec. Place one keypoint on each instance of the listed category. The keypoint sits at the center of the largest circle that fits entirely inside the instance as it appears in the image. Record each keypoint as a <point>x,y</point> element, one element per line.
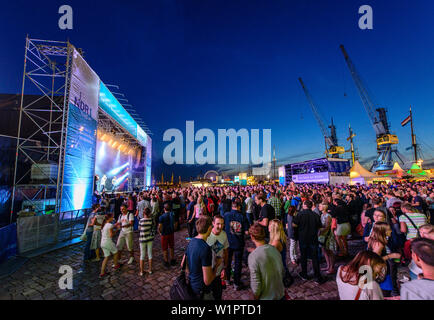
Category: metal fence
<point>36,232</point>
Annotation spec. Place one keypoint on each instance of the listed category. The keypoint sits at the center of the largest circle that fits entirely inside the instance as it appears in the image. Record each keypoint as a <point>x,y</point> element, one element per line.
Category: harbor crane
<point>379,121</point>
<point>331,141</point>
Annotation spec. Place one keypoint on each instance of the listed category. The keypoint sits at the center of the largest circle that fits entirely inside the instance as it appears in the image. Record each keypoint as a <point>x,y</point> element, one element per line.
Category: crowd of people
<point>286,224</point>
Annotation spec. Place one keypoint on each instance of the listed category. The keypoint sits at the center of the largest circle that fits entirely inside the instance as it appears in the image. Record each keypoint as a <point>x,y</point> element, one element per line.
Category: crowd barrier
<point>35,232</point>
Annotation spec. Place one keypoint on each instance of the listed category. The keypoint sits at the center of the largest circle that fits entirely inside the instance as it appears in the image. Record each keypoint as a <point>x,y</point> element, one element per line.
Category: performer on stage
<point>102,184</point>
<point>114,183</point>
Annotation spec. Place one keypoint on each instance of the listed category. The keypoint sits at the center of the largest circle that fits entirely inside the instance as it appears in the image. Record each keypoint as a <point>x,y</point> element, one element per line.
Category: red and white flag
<point>405,121</point>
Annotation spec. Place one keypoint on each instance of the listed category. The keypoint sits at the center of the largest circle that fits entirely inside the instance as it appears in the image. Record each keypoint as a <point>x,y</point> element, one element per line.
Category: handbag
<point>181,289</point>
<point>360,229</point>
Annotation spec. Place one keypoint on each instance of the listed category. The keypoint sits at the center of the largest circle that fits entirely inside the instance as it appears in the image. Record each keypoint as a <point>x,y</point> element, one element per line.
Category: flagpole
<point>413,138</point>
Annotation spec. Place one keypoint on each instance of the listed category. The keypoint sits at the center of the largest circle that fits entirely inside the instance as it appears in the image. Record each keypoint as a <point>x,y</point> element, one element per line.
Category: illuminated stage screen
<point>112,168</point>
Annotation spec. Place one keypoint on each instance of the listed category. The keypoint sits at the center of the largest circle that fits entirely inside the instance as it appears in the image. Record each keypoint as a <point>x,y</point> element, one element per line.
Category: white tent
<point>358,174</point>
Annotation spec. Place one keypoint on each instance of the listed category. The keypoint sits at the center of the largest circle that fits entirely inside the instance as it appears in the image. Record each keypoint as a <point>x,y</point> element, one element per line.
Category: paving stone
<point>38,279</point>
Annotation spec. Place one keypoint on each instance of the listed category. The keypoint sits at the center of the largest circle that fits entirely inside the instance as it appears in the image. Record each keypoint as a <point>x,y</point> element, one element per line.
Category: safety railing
<point>36,232</point>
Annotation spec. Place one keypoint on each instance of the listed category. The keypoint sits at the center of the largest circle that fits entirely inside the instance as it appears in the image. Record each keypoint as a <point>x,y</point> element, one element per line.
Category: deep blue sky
<point>235,64</point>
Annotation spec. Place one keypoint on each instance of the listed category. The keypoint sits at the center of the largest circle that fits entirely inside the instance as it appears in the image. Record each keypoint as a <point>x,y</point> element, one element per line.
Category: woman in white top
<point>95,243</point>
<point>107,244</point>
<point>358,279</point>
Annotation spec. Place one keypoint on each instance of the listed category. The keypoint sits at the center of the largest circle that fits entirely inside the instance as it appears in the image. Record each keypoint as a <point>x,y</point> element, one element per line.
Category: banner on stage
<point>81,138</point>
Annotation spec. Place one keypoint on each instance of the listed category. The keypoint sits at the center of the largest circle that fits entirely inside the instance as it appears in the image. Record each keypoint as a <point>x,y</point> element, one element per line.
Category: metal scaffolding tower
<point>42,124</point>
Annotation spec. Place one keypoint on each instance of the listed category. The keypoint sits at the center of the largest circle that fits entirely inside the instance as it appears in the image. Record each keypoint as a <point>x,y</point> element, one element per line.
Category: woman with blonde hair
<point>200,207</point>
<point>356,285</point>
<point>279,241</point>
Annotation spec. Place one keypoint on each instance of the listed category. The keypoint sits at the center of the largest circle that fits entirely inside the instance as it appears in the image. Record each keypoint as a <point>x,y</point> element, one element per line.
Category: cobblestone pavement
<point>38,278</point>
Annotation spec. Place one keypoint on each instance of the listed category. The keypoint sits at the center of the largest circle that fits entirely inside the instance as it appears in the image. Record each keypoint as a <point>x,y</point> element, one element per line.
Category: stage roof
<point>111,105</point>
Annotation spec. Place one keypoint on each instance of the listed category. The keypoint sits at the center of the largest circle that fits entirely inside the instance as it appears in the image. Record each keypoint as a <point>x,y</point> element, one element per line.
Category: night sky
<point>234,64</point>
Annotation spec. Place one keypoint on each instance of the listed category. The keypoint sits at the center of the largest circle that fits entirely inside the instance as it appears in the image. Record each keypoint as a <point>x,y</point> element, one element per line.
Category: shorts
<point>343,229</point>
<point>167,241</point>
<point>108,248</point>
<point>145,246</point>
<point>125,238</point>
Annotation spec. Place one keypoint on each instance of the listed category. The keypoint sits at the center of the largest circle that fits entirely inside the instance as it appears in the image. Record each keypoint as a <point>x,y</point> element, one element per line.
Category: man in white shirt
<point>249,208</point>
<point>423,287</point>
<point>125,223</point>
<point>218,241</point>
<point>141,205</point>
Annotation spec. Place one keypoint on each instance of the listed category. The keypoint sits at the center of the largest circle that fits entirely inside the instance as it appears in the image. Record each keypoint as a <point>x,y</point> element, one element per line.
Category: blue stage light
<point>116,170</point>
<point>121,179</point>
<point>101,151</point>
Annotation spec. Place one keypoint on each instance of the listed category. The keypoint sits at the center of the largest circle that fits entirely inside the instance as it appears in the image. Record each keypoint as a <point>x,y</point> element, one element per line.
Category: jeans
<point>249,216</point>
<point>191,227</point>
<point>293,250</point>
<point>87,252</point>
<point>216,288</point>
<point>238,258</point>
<point>312,251</point>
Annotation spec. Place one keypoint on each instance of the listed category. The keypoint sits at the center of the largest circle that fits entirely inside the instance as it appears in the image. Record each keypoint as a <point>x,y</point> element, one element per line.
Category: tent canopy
<point>359,171</point>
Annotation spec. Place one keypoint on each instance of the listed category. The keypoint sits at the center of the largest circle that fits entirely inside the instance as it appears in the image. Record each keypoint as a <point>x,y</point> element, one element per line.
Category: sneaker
<point>166,264</point>
<point>141,274</point>
<point>173,262</point>
<point>303,276</point>
<point>150,272</point>
<point>103,275</point>
<point>320,280</point>
<point>131,260</point>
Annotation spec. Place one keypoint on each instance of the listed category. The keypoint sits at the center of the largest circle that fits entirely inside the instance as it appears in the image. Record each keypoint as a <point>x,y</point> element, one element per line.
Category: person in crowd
<point>89,232</point>
<point>266,214</point>
<point>117,205</point>
<point>141,205</point>
<point>155,212</point>
<point>236,227</point>
<point>356,285</point>
<point>422,288</point>
<point>249,208</point>
<point>427,232</point>
<point>411,220</point>
<point>96,235</point>
<point>107,245</point>
<point>146,238</point>
<point>308,224</point>
<point>176,208</point>
<point>166,229</point>
<point>199,261</point>
<point>218,241</point>
<point>278,239</point>
<point>379,243</point>
<point>292,235</point>
<point>191,219</point>
<point>340,212</point>
<point>326,239</point>
<point>276,204</point>
<point>266,268</point>
<point>125,224</point>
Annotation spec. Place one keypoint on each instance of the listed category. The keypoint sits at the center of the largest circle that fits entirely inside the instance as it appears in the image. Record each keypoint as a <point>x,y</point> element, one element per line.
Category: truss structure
<point>42,122</point>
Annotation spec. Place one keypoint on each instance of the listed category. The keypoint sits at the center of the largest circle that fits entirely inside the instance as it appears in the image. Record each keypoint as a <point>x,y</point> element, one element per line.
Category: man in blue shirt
<point>166,228</point>
<point>199,261</point>
<point>236,226</point>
